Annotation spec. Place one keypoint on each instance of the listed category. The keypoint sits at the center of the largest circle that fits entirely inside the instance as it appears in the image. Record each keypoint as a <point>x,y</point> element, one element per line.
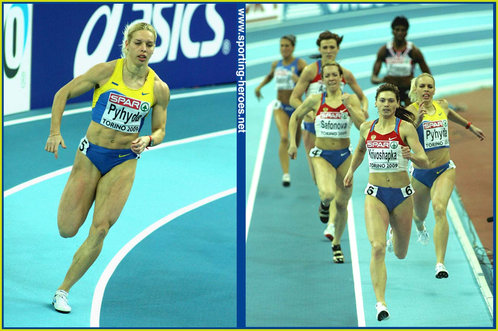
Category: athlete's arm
<point>158,120</point>
<point>308,105</point>
<point>458,119</point>
<point>266,80</point>
<point>381,54</point>
<point>358,155</point>
<point>301,64</point>
<point>354,107</point>
<point>301,86</point>
<point>96,75</point>
<point>418,57</point>
<point>419,114</point>
<point>409,134</point>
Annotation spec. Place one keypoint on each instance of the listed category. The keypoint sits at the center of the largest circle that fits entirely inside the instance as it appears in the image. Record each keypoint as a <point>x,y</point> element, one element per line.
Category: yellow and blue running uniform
<point>433,134</point>
<point>118,107</point>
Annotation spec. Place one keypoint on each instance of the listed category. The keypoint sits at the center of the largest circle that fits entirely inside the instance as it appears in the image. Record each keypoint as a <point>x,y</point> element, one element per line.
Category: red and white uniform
<point>384,150</point>
<point>332,122</point>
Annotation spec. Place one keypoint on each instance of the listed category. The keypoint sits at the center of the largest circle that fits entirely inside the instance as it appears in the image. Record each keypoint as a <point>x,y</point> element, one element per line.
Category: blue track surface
<point>197,247</point>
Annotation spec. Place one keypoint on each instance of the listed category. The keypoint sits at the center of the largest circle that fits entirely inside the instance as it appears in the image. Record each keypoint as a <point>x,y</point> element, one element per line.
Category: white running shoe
<point>286,180</point>
<point>382,313</point>
<point>389,243</point>
<point>441,271</point>
<point>423,236</point>
<point>60,302</point>
<point>329,231</point>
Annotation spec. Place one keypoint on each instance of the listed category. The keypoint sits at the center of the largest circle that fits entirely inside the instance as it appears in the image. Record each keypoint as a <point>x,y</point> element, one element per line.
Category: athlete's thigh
<point>376,219</point>
<point>443,187</point>
<point>343,192</point>
<point>282,121</point>
<point>113,191</point>
<point>325,173</point>
<point>401,218</point>
<point>308,139</point>
<point>79,192</point>
<point>421,197</point>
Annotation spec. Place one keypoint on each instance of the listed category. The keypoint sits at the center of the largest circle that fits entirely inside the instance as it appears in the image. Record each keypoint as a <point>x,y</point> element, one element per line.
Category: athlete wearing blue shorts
<point>435,184</point>
<point>388,141</point>
<point>126,91</point>
<point>333,113</point>
<point>286,72</point>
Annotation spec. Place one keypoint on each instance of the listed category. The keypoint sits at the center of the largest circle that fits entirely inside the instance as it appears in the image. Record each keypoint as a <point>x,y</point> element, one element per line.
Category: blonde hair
<point>129,30</point>
<point>413,86</point>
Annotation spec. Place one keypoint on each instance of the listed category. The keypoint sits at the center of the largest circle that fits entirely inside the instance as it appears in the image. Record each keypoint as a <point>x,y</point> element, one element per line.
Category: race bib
<point>315,152</point>
<point>405,191</point>
<point>384,155</point>
<point>436,134</point>
<point>332,125</point>
<point>123,113</point>
<point>84,144</point>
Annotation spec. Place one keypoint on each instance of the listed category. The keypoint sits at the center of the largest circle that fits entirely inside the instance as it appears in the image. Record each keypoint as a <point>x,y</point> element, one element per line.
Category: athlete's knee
<point>68,227</point>
<point>341,203</point>
<point>326,194</point>
<point>417,217</point>
<point>378,249</point>
<point>98,233</point>
<point>439,209</point>
<point>66,231</point>
<point>401,253</point>
<point>284,141</point>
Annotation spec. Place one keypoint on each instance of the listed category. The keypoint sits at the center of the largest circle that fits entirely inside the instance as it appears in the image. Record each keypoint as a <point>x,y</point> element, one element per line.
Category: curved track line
<point>56,173</point>
<point>111,267</point>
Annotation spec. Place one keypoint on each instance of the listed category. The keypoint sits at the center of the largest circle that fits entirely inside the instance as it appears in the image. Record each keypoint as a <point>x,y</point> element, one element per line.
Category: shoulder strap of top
<point>396,126</point>
<point>373,125</point>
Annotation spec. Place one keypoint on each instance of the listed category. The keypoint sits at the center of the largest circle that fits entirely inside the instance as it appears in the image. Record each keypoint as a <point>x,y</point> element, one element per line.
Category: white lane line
<point>36,180</point>
<point>355,263</point>
<point>53,174</point>
<point>471,256</point>
<point>258,165</point>
<point>98,294</point>
<point>87,109</point>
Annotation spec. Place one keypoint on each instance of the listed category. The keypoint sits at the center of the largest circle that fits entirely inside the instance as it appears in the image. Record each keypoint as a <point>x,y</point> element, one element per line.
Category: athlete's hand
<point>257,91</point>
<point>376,80</point>
<point>346,99</point>
<point>348,179</point>
<point>53,142</point>
<point>406,152</point>
<point>478,132</point>
<point>421,110</point>
<point>292,151</point>
<point>138,145</point>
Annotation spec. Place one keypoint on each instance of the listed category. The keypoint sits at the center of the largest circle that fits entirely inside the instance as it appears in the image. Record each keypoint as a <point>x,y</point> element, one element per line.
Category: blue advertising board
<point>195,43</point>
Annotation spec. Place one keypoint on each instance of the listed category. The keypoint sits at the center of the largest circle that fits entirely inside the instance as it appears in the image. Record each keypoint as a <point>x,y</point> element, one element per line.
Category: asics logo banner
<point>174,33</point>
